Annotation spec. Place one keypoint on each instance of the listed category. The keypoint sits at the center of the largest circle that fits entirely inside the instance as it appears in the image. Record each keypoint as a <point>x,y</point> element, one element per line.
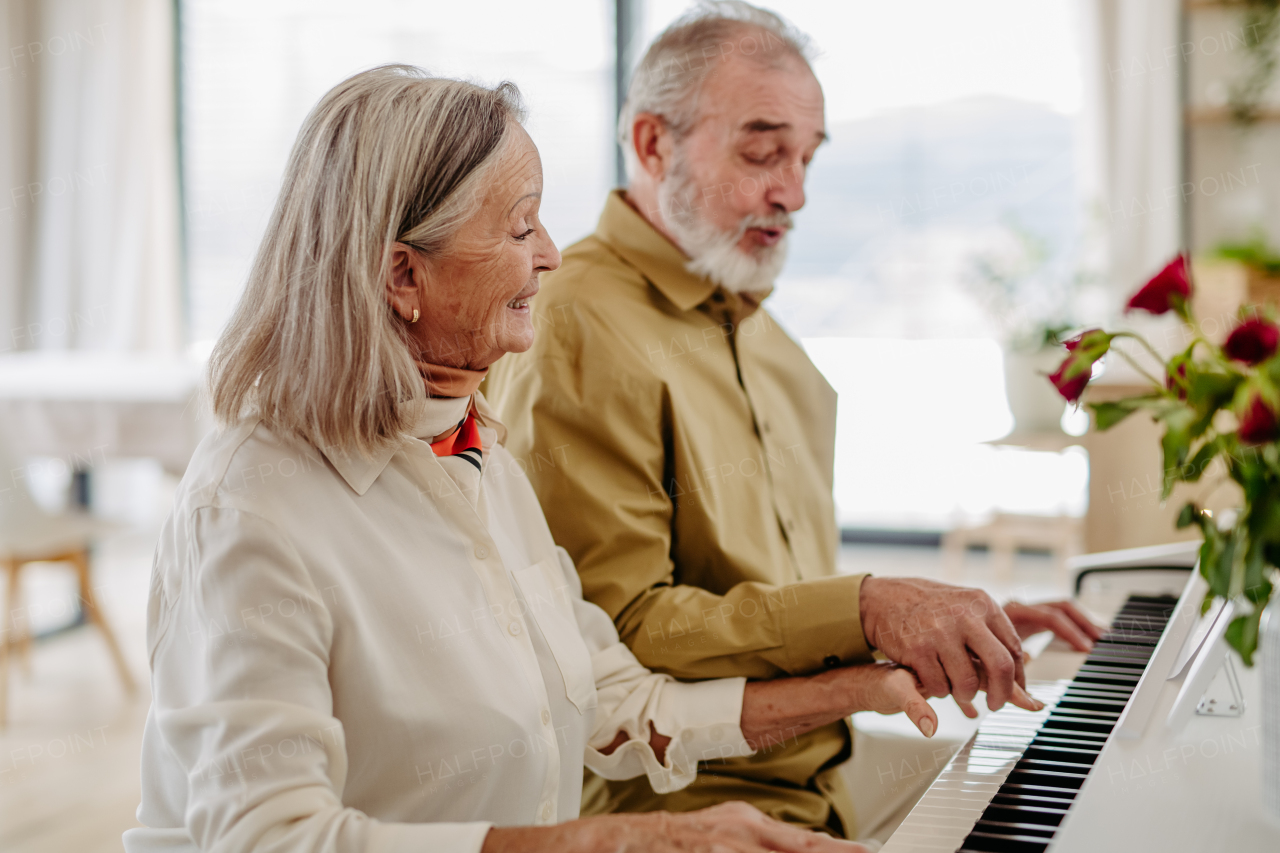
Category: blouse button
<point>481,552</point>
<point>546,717</point>
<point>547,811</point>
<point>514,628</point>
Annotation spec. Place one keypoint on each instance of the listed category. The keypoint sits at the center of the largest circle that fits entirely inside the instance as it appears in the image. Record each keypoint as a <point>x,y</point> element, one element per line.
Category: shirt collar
<point>430,417</point>
<point>659,260</point>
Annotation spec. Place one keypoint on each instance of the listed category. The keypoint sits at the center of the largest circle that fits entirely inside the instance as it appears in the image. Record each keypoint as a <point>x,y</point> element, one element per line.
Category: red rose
<point>1252,341</point>
<point>1168,290</point>
<point>1258,423</point>
<point>1071,378</point>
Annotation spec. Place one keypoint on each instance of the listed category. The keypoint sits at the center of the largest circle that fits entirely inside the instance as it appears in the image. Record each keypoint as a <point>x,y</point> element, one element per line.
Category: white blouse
<point>386,654</point>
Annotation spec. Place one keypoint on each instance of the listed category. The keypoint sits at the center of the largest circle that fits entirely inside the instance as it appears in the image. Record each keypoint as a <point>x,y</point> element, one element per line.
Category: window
<point>252,71</point>
<point>953,138</point>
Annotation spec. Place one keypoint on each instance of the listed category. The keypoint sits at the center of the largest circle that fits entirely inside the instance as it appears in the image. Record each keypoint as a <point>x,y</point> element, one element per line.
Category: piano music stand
<point>1209,659</point>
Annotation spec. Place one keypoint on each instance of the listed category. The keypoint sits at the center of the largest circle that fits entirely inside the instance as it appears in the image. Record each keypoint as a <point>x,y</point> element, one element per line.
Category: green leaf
<point>1242,635</point>
<point>1211,391</point>
<point>1194,470</point>
<point>1107,415</point>
<point>1188,516</point>
<point>1176,444</point>
<point>1216,556</point>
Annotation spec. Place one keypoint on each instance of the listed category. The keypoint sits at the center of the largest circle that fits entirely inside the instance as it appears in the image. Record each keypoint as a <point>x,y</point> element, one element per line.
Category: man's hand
<point>1061,617</point>
<point>954,638</point>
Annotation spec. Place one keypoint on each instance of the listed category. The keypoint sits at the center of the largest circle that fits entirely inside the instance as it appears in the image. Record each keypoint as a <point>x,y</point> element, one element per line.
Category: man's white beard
<point>714,253</point>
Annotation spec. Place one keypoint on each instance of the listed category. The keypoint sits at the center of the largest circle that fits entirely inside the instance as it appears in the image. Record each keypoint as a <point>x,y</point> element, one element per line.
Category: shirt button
<point>831,660</point>
<point>481,552</point>
<point>546,717</point>
<point>548,811</point>
<point>514,628</point>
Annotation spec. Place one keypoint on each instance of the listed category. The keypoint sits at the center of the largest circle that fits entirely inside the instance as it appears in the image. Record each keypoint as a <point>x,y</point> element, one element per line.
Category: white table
<point>83,407</point>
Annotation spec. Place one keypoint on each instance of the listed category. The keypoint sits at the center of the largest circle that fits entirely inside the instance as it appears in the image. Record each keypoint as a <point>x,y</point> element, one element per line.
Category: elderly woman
<point>362,636</point>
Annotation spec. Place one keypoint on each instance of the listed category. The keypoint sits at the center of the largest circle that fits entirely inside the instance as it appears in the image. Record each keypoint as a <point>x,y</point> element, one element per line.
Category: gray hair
<point>388,155</point>
<point>669,78</point>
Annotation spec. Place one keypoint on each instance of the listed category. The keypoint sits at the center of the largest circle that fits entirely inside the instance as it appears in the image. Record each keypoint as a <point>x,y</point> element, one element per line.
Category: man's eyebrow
<point>762,126</point>
<point>536,194</point>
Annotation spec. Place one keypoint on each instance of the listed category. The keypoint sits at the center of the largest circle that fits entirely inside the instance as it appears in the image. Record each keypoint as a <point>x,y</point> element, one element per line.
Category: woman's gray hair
<point>669,78</point>
<point>388,155</point>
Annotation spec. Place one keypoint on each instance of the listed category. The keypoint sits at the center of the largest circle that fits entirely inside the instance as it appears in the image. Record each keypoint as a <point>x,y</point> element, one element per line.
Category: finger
<point>967,708</point>
<point>960,671</point>
<point>1001,666</point>
<point>1025,700</point>
<point>1004,631</point>
<point>905,698</point>
<point>1078,616</point>
<point>1065,628</point>
<point>931,675</point>
<point>921,713</point>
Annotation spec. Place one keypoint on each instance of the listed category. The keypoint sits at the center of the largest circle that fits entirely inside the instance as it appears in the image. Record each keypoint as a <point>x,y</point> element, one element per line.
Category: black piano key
<point>1046,778</point>
<point>1058,762</point>
<point>987,842</point>
<point>1014,827</point>
<point>1059,723</point>
<point>1024,814</point>
<point>1054,792</point>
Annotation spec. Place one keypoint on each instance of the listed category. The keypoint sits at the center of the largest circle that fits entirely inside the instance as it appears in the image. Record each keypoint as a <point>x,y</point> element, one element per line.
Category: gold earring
<point>415,316</point>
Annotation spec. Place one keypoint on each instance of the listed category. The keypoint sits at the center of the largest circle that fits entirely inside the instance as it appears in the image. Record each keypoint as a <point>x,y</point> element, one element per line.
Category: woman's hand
<point>775,712</point>
<point>729,827</point>
<point>888,688</point>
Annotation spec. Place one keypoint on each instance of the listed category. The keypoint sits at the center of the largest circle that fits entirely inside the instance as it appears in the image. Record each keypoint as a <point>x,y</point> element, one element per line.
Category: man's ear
<point>406,279</point>
<point>651,141</point>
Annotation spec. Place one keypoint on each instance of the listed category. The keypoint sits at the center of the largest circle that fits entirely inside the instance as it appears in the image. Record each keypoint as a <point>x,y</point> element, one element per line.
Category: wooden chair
<point>30,535</point>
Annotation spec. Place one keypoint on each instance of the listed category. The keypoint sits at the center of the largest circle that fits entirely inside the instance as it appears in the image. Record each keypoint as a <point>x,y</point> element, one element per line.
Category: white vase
<point>1268,657</point>
<point>1035,404</point>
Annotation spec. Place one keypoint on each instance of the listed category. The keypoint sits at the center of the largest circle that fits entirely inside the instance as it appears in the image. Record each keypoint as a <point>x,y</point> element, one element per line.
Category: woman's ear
<point>406,281</point>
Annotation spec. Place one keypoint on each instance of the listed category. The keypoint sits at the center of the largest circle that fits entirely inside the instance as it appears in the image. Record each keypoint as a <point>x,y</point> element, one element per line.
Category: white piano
<point>1100,768</point>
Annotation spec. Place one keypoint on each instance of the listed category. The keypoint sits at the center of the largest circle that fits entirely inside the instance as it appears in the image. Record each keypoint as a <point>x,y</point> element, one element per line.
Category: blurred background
<point>999,172</point>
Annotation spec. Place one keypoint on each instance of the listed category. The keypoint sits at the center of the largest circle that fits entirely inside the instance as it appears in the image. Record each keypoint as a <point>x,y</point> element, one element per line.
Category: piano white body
<point>1197,789</point>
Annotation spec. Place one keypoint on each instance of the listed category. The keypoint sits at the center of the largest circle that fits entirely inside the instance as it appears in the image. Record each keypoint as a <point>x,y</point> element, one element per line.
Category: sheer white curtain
<point>89,252</point>
<point>1134,127</point>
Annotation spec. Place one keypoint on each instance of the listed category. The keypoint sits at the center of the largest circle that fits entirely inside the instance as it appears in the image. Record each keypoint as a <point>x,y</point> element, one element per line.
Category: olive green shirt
<point>681,445</point>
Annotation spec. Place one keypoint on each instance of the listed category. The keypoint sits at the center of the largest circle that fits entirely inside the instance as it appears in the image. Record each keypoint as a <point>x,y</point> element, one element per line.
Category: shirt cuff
<point>822,625</point>
<point>703,720</point>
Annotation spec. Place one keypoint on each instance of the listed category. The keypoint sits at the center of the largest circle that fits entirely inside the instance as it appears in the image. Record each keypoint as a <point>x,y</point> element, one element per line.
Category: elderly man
<point>682,444</point>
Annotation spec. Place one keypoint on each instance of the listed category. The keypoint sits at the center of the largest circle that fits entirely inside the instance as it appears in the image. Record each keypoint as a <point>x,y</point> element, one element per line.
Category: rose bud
<point>1083,350</point>
<point>1071,378</point>
<point>1167,290</point>
<point>1252,341</point>
<point>1173,384</point>
<point>1087,340</point>
<point>1258,423</point>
